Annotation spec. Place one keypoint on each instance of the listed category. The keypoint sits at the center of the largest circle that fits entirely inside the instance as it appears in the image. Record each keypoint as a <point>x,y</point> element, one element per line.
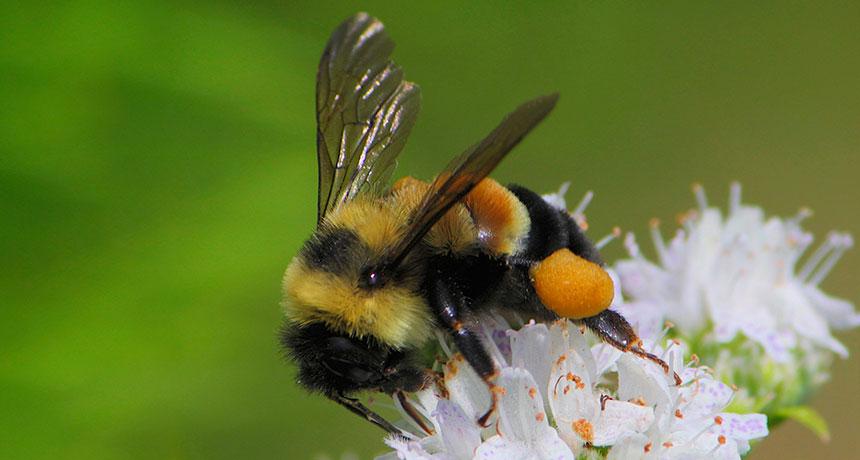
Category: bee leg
<point>450,307</point>
<point>356,407</point>
<point>613,329</point>
<point>412,412</point>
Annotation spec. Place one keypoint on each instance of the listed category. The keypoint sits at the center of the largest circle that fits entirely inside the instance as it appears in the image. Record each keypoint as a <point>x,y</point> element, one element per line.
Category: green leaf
<point>807,417</point>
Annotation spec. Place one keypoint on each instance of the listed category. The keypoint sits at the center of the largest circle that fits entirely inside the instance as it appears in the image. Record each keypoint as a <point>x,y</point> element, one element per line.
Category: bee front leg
<point>451,307</point>
<point>356,407</point>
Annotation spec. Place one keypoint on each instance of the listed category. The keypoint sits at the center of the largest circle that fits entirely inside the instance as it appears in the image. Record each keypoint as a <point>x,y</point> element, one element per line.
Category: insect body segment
<point>386,268</point>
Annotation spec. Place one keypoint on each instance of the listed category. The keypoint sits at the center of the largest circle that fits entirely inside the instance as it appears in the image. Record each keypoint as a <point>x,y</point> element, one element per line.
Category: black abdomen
<point>551,229</point>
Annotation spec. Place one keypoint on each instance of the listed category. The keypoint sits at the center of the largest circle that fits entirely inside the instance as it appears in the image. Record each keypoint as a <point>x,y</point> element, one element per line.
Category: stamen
<point>583,203</point>
<point>802,214</point>
<point>817,256</point>
<point>842,244</point>
<point>734,198</point>
<point>659,244</point>
<point>666,327</point>
<point>631,246</point>
<point>689,221</point>
<point>616,232</point>
<point>555,387</point>
<point>701,198</point>
<point>694,360</point>
<point>443,343</point>
<point>493,348</point>
<point>562,189</point>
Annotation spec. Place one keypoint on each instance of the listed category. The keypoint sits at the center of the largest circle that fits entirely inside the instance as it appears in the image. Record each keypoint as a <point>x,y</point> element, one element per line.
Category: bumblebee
<point>388,266</point>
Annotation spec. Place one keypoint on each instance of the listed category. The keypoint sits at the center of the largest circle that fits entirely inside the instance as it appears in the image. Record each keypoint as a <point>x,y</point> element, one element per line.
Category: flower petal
<point>839,313</point>
<point>460,434</point>
<point>521,410</point>
<point>619,419</point>
<point>466,388</point>
<point>638,378</point>
<point>703,396</point>
<point>524,430</point>
<point>410,450</point>
<point>549,447</point>
<point>742,426</point>
<point>531,350</point>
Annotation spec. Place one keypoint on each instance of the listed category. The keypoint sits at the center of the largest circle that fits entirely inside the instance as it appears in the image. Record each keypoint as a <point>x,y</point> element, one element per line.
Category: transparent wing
<point>466,170</point>
<point>365,111</point>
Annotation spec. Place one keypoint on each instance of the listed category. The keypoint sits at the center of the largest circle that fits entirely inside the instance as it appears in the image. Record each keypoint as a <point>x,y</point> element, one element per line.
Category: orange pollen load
<point>571,286</point>
<point>667,444</point>
<point>721,439</point>
<point>718,420</point>
<point>584,429</point>
<point>532,392</point>
<point>678,413</point>
<point>648,447</point>
<point>540,416</point>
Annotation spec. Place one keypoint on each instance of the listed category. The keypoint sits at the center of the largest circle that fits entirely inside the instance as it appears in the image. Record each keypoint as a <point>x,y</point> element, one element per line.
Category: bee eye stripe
<point>332,251</point>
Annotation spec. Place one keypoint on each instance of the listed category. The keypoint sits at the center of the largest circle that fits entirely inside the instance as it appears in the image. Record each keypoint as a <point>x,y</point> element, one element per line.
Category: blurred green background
<point>157,173</point>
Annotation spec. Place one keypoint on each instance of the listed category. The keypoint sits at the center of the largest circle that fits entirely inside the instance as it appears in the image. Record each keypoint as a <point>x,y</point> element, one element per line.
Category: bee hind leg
<point>613,329</point>
<point>450,307</point>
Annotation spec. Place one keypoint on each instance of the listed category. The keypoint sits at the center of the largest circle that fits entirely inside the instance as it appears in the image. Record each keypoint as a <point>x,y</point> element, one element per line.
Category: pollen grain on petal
<point>584,429</point>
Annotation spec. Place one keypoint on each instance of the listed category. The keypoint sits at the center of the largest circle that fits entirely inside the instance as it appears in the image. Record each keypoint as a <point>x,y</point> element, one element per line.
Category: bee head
<point>338,280</point>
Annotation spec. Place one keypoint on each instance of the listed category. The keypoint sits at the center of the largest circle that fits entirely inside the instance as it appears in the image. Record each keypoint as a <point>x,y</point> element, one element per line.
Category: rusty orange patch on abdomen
<point>502,221</point>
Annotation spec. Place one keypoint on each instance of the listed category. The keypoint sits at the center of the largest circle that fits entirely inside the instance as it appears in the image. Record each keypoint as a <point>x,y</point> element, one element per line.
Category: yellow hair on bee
<point>394,315</point>
<point>372,219</point>
<point>455,232</point>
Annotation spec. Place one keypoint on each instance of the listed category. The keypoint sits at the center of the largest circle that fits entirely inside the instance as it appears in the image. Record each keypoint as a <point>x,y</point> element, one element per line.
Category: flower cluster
<point>564,398</point>
<point>735,289</point>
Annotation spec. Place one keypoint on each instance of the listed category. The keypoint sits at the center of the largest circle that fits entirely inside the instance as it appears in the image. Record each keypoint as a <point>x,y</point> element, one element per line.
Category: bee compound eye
<point>372,277</point>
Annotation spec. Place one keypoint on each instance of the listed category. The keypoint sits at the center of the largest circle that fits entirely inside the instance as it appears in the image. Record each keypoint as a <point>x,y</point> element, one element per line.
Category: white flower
<point>562,397</point>
<point>737,275</point>
<point>691,421</point>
